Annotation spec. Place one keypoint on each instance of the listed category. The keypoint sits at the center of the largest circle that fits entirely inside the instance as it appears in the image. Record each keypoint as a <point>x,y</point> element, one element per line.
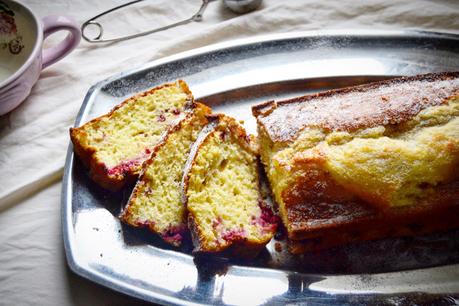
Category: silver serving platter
<point>231,77</point>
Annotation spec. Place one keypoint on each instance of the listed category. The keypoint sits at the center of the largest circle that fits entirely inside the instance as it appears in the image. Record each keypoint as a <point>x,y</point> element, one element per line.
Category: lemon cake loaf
<point>360,163</point>
<point>115,145</point>
<point>155,201</point>
<point>226,214</point>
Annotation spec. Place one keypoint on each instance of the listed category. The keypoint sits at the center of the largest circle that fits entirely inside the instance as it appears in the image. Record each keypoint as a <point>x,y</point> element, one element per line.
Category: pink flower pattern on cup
<point>9,37</point>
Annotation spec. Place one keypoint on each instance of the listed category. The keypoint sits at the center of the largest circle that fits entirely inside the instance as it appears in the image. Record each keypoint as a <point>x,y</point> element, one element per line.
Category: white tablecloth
<point>34,137</point>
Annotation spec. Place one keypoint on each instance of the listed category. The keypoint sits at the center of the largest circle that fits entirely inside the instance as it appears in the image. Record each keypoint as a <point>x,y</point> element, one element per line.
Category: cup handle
<point>53,24</point>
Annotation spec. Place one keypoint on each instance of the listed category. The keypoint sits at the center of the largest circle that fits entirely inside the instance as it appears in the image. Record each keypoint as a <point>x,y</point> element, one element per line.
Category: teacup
<point>22,56</point>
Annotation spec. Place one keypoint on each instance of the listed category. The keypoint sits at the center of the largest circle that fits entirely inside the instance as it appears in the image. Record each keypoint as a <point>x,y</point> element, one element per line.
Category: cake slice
<point>371,161</point>
<point>226,213</point>
<point>155,201</point>
<point>115,145</point>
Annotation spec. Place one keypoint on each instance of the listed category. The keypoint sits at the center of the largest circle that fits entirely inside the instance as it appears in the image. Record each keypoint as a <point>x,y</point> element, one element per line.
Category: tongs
<point>238,6</point>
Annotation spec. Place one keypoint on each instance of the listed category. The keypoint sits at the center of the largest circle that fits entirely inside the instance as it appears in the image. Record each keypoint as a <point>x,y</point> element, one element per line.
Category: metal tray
<point>231,77</point>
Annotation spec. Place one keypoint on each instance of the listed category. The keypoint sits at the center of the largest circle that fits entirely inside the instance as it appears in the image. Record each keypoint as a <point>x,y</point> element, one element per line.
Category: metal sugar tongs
<point>237,6</point>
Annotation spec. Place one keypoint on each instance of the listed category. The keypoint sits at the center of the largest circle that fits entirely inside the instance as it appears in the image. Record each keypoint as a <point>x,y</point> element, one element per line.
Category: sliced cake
<point>371,161</point>
<point>226,214</point>
<point>115,145</point>
<point>155,201</point>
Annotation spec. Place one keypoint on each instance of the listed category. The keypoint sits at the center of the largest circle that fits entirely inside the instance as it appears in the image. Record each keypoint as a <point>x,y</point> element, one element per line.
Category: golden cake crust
<point>87,154</point>
<point>316,202</point>
<point>440,215</point>
<point>392,102</point>
<point>320,212</point>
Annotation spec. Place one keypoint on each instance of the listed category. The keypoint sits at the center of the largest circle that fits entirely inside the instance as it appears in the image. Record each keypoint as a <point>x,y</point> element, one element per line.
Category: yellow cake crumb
<point>223,193</point>
<point>156,198</point>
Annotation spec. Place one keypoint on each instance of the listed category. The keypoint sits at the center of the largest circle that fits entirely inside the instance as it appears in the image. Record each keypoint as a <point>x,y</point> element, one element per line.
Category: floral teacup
<point>21,49</point>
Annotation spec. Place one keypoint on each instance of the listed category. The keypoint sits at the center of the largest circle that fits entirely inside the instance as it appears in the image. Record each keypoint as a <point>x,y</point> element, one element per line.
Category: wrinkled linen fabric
<point>34,137</point>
